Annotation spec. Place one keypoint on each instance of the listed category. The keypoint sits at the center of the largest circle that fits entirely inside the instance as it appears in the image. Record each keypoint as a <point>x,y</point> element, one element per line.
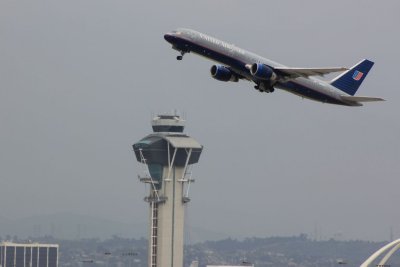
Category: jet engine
<point>222,73</point>
<point>262,72</point>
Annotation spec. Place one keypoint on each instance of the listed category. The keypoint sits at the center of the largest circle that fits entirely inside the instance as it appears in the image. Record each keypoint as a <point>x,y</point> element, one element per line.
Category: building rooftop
<point>12,244</point>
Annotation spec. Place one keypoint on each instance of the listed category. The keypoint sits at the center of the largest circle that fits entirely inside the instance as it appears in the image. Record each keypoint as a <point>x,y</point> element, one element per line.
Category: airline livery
<point>237,63</point>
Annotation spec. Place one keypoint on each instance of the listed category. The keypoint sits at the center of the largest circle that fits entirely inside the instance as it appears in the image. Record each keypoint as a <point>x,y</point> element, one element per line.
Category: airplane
<point>238,64</point>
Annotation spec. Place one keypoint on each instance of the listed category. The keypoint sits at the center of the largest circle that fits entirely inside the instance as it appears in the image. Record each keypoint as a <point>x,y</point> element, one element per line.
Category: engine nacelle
<point>262,72</point>
<point>222,73</point>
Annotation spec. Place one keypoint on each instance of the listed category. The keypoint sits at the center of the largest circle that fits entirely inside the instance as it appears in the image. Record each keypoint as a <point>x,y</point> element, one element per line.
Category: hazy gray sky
<point>79,81</point>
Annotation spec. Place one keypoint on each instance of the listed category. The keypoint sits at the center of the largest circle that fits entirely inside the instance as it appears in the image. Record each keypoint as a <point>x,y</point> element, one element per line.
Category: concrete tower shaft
<point>168,154</point>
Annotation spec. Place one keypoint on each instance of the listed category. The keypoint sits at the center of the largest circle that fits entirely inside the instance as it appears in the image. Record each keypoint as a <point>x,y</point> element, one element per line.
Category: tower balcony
<point>154,199</point>
<point>147,179</point>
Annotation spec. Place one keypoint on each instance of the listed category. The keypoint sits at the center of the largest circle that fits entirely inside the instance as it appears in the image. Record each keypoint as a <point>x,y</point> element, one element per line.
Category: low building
<point>28,255</point>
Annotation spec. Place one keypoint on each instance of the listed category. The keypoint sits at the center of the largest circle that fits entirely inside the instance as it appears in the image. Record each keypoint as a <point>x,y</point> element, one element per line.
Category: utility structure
<point>392,247</point>
<point>168,155</point>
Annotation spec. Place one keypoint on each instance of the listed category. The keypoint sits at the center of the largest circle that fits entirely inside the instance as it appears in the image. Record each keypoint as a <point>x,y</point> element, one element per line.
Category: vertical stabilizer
<point>350,81</point>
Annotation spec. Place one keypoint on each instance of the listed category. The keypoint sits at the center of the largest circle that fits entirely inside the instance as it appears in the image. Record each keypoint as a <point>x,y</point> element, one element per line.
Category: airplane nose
<point>168,37</point>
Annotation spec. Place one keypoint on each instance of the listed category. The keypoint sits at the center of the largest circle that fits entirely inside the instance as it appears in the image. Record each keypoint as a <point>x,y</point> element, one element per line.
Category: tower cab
<point>168,124</point>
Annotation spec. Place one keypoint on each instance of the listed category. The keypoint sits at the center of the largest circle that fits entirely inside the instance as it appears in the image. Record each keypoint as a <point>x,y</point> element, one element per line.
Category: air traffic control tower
<point>168,154</point>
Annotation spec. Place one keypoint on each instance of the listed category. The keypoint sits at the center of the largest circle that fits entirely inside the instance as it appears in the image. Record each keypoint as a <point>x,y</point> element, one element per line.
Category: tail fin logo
<point>357,75</point>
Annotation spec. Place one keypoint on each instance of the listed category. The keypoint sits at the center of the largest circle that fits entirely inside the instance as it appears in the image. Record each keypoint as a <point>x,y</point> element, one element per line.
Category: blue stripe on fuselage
<point>238,65</point>
<point>307,92</point>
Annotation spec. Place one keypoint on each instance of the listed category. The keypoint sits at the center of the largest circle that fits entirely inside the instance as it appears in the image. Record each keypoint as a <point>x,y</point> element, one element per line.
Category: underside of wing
<point>306,72</point>
<point>361,98</point>
<point>239,76</point>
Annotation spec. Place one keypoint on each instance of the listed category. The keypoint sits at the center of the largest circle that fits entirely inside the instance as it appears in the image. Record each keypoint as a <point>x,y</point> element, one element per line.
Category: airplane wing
<point>305,72</point>
<point>239,76</point>
<point>361,98</point>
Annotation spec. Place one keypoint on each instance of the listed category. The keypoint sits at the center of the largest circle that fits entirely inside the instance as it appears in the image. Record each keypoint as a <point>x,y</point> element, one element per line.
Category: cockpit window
<point>177,32</point>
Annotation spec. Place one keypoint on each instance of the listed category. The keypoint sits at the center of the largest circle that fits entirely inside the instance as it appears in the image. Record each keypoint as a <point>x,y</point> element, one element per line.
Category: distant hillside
<point>71,226</point>
<point>296,251</point>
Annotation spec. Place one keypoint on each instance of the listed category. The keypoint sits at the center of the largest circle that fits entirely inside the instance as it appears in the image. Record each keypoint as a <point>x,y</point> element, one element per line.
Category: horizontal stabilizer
<point>361,98</point>
<point>305,72</point>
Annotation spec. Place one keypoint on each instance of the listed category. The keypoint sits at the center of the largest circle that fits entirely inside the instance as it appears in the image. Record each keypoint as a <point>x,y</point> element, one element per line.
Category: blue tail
<point>349,81</point>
